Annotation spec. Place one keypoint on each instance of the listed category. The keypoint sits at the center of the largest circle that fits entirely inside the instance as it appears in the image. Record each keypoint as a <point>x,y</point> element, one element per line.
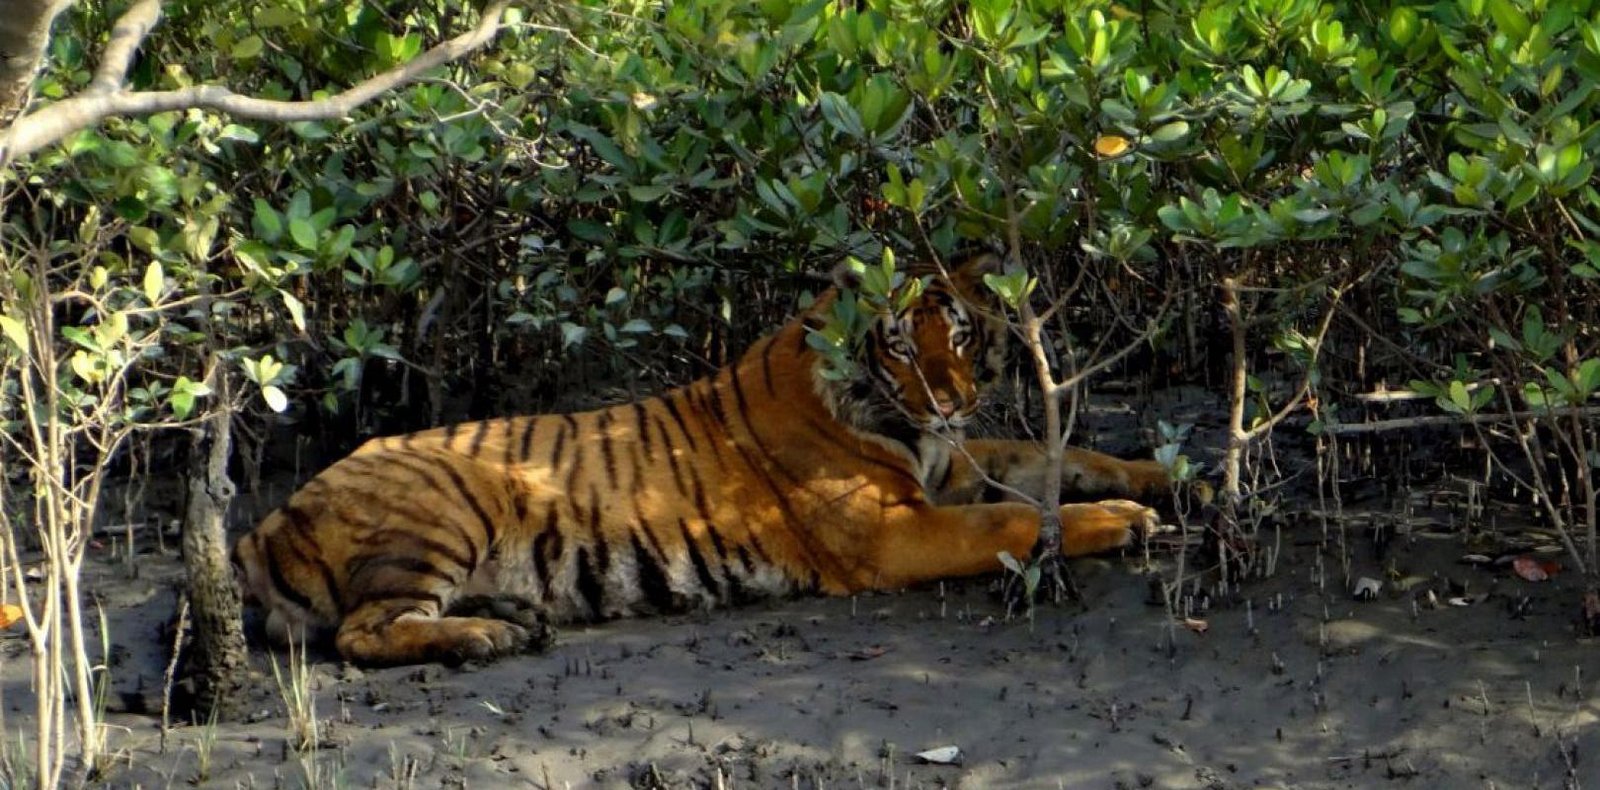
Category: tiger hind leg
<point>380,633</point>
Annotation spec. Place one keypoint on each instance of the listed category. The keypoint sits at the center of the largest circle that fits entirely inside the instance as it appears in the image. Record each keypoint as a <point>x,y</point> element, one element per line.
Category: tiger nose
<point>946,407</point>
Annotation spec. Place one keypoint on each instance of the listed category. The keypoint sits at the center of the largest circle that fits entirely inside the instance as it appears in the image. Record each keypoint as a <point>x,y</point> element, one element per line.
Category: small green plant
<point>299,699</point>
<point>205,741</point>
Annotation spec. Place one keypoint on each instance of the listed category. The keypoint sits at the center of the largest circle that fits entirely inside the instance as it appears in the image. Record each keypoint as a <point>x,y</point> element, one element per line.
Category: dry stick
<point>1433,420</point>
<point>172,669</point>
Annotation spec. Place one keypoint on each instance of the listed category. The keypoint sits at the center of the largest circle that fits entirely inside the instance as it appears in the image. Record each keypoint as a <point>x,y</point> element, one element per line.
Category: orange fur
<point>766,479</point>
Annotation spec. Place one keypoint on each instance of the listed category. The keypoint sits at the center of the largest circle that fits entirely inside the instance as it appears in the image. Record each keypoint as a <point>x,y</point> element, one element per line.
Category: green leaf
<point>276,400</point>
<point>648,193</point>
<point>1510,20</point>
<point>15,331</point>
<point>297,310</point>
<point>1170,132</point>
<point>248,47</point>
<point>154,282</point>
<point>304,233</point>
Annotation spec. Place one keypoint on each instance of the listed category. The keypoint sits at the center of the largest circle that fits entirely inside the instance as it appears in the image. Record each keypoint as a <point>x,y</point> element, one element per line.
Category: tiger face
<point>929,363</point>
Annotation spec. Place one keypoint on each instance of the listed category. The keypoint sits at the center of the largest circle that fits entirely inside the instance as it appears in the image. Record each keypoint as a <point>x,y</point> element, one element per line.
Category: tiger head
<point>925,366</point>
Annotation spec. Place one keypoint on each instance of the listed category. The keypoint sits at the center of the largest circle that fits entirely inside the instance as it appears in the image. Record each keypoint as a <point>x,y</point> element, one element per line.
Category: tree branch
<point>106,96</point>
<point>130,31</point>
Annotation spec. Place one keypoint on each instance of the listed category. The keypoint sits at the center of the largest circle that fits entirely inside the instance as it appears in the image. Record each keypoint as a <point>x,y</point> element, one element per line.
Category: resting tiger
<point>461,543</point>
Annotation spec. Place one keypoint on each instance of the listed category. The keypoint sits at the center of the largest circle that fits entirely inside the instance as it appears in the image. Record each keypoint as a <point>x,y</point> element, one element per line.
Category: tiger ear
<point>969,273</point>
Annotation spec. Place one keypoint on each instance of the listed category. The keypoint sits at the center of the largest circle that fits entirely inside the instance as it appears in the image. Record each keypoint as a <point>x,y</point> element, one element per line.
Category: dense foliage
<point>621,194</point>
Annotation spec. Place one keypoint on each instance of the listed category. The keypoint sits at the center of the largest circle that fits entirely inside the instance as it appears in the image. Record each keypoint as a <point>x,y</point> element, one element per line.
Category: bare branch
<point>53,123</point>
<point>1446,420</point>
<point>126,36</point>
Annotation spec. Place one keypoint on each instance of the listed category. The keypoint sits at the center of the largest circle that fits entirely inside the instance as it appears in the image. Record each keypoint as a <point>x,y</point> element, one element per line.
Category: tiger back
<point>466,542</point>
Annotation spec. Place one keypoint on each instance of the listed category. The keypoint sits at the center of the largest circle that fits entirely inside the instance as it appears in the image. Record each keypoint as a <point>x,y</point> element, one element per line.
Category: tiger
<point>469,542</point>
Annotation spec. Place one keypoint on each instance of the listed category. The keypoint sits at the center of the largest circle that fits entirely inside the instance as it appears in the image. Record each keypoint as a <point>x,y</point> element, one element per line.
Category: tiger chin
<point>766,479</point>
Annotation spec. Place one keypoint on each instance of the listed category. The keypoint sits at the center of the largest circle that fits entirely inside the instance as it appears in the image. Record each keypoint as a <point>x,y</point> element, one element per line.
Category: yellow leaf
<point>1111,145</point>
<point>10,614</point>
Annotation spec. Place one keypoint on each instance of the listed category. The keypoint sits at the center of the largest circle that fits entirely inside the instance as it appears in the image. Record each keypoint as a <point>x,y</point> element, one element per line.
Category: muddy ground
<point>1291,683</point>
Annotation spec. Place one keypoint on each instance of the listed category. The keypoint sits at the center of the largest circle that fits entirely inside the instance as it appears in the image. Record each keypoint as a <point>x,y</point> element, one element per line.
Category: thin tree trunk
<point>24,35</point>
<point>219,666</point>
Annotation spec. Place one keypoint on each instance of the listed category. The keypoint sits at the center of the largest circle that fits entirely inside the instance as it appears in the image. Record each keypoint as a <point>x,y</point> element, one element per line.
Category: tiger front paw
<point>1105,526</point>
<point>479,639</point>
<point>516,610</point>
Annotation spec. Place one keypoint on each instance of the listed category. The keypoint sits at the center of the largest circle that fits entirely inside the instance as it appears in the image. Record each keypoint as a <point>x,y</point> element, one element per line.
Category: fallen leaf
<point>10,614</point>
<point>1530,569</point>
<point>1111,145</point>
<point>1461,601</point>
<point>1367,588</point>
<point>1196,625</point>
<point>944,755</point>
<point>868,653</point>
<point>1476,559</point>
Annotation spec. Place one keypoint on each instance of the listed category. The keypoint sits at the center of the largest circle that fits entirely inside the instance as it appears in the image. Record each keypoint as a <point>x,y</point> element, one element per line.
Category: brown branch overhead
<point>106,96</point>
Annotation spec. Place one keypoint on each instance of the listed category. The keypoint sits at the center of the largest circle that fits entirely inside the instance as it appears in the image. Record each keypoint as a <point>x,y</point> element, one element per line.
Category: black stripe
<point>527,438</point>
<point>717,544</point>
<point>608,452</point>
<point>718,413</point>
<point>755,543</point>
<point>608,455</point>
<point>362,567</point>
<point>766,367</point>
<point>298,521</point>
<point>643,428</point>
<point>477,508</point>
<point>602,550</point>
<point>519,507</point>
<point>419,596</point>
<point>771,460</point>
<point>589,584</point>
<point>450,433</point>
<point>677,416</point>
<point>830,434</point>
<point>281,584</point>
<point>547,548</point>
<point>702,571</point>
<point>576,469</point>
<point>652,577</point>
<point>311,554</point>
<point>425,473</point>
<point>479,433</point>
<point>390,536</point>
<point>701,506</point>
<point>560,442</point>
<point>677,473</point>
<point>741,407</point>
